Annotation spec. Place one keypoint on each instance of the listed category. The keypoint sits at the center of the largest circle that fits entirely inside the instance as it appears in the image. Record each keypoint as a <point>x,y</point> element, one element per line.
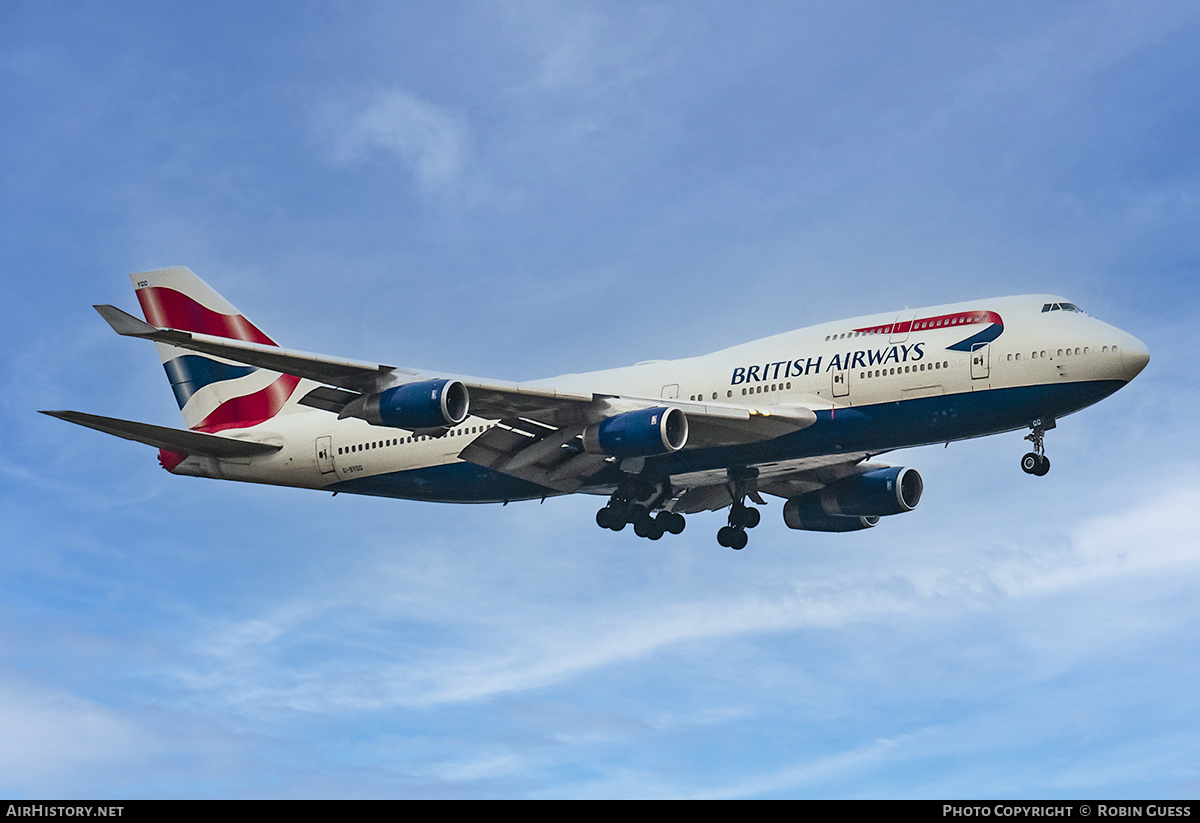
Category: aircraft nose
<point>1134,357</point>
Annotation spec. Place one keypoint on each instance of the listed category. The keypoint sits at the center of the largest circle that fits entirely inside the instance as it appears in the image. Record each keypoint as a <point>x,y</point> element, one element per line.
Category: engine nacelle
<point>413,406</point>
<point>640,433</point>
<point>805,512</point>
<point>872,494</point>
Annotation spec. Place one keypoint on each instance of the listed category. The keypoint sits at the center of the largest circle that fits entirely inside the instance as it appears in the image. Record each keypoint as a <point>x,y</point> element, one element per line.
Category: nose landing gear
<point>1036,462</point>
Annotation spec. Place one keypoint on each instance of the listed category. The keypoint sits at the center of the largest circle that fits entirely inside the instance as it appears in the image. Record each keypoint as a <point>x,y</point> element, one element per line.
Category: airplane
<point>799,416</point>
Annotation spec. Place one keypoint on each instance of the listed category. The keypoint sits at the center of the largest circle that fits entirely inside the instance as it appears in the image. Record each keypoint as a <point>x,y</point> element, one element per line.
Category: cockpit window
<point>1061,307</point>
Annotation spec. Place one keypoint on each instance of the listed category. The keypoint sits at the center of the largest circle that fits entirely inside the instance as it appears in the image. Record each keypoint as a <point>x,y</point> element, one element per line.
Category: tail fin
<point>213,393</point>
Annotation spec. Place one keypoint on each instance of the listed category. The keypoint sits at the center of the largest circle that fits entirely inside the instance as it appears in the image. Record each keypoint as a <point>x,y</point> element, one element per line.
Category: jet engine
<point>856,502</point>
<point>640,433</point>
<point>414,406</point>
<point>805,513</point>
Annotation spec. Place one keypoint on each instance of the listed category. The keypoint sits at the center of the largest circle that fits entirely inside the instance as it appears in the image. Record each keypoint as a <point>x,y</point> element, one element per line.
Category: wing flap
<point>327,398</point>
<point>534,451</point>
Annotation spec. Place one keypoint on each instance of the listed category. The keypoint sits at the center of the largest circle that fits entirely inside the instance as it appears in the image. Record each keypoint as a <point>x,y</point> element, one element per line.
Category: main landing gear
<point>639,502</point>
<point>741,484</point>
<point>1036,462</point>
<point>624,507</point>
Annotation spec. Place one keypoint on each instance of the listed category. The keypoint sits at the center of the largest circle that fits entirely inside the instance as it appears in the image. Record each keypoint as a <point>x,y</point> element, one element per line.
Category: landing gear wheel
<point>1030,463</point>
<point>643,523</point>
<point>753,517</point>
<point>611,517</point>
<point>744,517</point>
<point>1036,462</point>
<point>731,538</point>
<point>670,522</point>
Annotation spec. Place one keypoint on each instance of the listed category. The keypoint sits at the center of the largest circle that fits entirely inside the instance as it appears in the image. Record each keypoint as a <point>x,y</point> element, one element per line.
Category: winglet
<point>124,323</point>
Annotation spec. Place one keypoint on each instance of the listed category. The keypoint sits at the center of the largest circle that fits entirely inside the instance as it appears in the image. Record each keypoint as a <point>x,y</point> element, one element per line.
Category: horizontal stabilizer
<point>331,370</point>
<point>173,440</point>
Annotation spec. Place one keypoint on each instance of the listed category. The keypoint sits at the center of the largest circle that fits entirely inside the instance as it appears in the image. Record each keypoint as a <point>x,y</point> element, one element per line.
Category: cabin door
<point>979,360</point>
<point>902,326</point>
<point>841,383</point>
<point>325,454</point>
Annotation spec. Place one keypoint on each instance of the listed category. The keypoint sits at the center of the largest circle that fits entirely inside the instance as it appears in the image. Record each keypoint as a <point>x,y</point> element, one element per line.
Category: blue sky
<point>522,189</point>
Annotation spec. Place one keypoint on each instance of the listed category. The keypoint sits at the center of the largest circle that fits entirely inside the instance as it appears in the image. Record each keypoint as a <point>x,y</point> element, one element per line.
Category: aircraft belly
<point>457,482</point>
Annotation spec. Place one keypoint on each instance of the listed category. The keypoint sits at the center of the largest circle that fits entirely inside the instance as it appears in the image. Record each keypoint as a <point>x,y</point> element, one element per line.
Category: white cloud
<point>589,50</point>
<point>430,139</point>
<point>505,644</point>
<point>49,738</point>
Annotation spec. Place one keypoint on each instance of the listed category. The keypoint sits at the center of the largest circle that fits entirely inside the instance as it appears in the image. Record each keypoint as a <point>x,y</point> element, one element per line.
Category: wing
<point>540,427</point>
<point>551,454</point>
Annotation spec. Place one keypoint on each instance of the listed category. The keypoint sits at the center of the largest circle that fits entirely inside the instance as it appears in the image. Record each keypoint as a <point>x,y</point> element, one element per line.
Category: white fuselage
<point>877,383</point>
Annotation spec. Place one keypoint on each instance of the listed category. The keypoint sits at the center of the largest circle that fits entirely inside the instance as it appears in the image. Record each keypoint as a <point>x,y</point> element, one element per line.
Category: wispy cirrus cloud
<point>48,737</point>
<point>505,648</point>
<point>430,140</point>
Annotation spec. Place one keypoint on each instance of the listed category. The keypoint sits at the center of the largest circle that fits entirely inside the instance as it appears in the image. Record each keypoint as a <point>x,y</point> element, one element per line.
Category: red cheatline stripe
<point>175,310</point>
<point>250,409</point>
<point>940,321</point>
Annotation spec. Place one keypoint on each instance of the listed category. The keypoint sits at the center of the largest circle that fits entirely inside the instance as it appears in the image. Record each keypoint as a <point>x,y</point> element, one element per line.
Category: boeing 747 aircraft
<point>800,415</point>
